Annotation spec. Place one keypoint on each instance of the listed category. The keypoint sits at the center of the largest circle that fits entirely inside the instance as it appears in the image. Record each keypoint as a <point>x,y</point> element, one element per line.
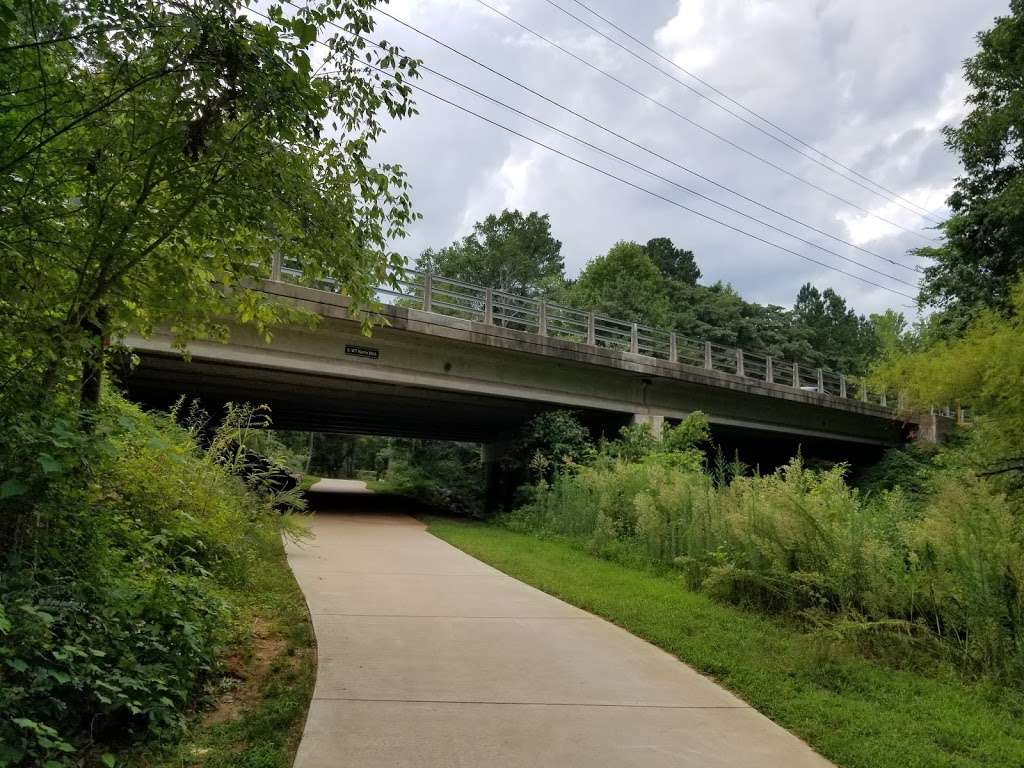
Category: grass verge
<point>259,711</point>
<point>307,482</point>
<point>857,713</point>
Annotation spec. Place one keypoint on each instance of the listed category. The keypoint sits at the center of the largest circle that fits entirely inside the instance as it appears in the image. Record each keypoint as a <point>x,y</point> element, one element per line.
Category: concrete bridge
<point>461,362</point>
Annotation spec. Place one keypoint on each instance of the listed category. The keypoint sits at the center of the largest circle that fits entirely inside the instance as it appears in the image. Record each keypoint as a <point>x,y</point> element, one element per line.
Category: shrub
<point>121,551</point>
<point>941,574</point>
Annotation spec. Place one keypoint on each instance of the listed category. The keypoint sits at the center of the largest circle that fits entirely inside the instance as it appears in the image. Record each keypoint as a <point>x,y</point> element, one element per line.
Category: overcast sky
<point>870,82</point>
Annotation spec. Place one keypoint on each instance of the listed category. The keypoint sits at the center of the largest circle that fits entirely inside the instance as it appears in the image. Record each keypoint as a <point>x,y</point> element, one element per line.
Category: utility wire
<point>642,147</point>
<point>886,194</point>
<point>658,176</point>
<point>643,189</point>
<point>615,177</point>
<point>697,125</point>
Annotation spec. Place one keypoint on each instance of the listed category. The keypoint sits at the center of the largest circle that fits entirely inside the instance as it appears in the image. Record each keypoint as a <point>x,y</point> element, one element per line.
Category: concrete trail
<point>430,658</point>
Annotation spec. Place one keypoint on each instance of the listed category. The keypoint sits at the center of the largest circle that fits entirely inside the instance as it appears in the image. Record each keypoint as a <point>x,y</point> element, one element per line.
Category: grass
<point>307,482</point>
<point>257,717</point>
<point>856,712</point>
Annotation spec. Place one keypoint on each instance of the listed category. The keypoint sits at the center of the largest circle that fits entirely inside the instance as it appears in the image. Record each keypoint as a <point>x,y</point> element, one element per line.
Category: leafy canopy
<point>983,254</point>
<point>508,251</point>
<point>154,156</point>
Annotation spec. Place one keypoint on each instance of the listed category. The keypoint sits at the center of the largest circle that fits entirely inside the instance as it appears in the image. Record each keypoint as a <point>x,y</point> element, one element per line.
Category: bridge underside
<point>317,403</point>
<point>437,377</point>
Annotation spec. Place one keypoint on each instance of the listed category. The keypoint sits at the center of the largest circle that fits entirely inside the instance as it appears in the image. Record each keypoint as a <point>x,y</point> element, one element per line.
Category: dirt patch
<point>246,669</point>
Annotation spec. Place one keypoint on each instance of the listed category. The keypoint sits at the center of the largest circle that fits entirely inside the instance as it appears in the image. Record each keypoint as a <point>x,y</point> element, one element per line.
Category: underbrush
<point>929,580</point>
<point>444,475</point>
<point>125,550</point>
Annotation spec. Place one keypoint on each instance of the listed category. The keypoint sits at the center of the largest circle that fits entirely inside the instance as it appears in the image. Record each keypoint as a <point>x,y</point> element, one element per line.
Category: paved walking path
<point>430,658</point>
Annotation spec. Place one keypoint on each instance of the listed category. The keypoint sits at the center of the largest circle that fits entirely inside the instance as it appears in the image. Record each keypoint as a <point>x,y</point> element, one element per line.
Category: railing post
<point>769,370</point>
<point>842,386</point>
<point>883,401</point>
<point>428,289</point>
<point>899,400</point>
<point>542,318</point>
<point>821,382</point>
<point>863,392</point>
<point>707,355</point>
<point>489,306</point>
<point>275,267</point>
<point>591,329</point>
<point>634,339</point>
<point>796,375</point>
<point>739,362</point>
<point>673,348</point>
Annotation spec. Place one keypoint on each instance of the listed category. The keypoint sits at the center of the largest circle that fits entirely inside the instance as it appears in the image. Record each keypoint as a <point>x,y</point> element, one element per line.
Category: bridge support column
<point>934,427</point>
<point>655,421</point>
<point>499,485</point>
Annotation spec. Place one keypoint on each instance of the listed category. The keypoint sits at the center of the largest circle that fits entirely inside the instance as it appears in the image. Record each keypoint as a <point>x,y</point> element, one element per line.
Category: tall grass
<point>938,578</point>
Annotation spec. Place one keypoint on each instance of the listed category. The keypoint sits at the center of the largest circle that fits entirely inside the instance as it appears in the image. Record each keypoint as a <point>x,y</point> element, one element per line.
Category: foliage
<point>624,284</point>
<point>121,551</point>
<point>508,251</point>
<point>983,368</point>
<point>445,475</point>
<point>551,442</point>
<point>832,326</point>
<point>154,156</point>
<point>850,709</point>
<point>675,263</point>
<point>262,699</point>
<point>983,253</point>
<point>938,577</point>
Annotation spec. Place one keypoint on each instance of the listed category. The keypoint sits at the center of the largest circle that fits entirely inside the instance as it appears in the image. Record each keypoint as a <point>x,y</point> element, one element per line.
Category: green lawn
<point>855,712</point>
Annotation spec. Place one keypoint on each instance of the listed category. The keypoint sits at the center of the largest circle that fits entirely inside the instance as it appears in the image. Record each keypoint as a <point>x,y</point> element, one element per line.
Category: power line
<point>699,126</point>
<point>886,193</point>
<point>635,166</point>
<point>620,179</point>
<point>642,147</point>
<point>645,190</point>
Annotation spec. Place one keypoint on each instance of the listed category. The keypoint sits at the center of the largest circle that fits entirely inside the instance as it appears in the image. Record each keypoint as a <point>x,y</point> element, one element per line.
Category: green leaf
<point>109,760</point>
<point>11,488</point>
<point>49,464</point>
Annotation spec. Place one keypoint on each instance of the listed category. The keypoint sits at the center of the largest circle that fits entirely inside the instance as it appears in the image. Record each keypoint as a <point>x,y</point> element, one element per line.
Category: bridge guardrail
<point>456,298</point>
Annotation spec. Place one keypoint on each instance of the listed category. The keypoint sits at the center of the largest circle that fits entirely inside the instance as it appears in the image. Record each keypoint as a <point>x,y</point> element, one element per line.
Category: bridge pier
<point>499,485</point>
<point>655,421</point>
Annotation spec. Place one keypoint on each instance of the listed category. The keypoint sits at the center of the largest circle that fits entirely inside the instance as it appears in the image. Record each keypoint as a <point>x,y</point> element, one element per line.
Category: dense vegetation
<point>657,284</point>
<point>127,552</point>
<point>154,157</point>
<point>915,577</point>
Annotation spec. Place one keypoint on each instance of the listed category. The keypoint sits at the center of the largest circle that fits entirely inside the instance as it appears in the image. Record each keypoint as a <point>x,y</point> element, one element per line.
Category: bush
<point>940,575</point>
<point>550,442</point>
<point>121,551</point>
<point>447,475</point>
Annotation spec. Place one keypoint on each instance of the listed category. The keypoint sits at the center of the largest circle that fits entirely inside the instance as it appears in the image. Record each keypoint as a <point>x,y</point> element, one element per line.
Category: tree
<point>983,253</point>
<point>837,337</point>
<point>154,156</point>
<point>624,284</point>
<point>508,251</point>
<point>675,263</point>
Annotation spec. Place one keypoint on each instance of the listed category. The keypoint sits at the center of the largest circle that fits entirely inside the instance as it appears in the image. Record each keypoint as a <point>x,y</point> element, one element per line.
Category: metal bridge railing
<point>455,298</point>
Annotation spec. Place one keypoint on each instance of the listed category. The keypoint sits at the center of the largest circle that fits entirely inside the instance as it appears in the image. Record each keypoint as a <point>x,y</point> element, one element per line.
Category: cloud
<point>870,83</point>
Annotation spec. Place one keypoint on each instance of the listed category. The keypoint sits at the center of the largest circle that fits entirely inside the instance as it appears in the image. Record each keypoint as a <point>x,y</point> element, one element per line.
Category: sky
<point>869,83</point>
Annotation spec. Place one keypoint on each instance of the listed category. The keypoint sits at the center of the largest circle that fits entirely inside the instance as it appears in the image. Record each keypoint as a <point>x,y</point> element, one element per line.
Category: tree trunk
<point>92,368</point>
